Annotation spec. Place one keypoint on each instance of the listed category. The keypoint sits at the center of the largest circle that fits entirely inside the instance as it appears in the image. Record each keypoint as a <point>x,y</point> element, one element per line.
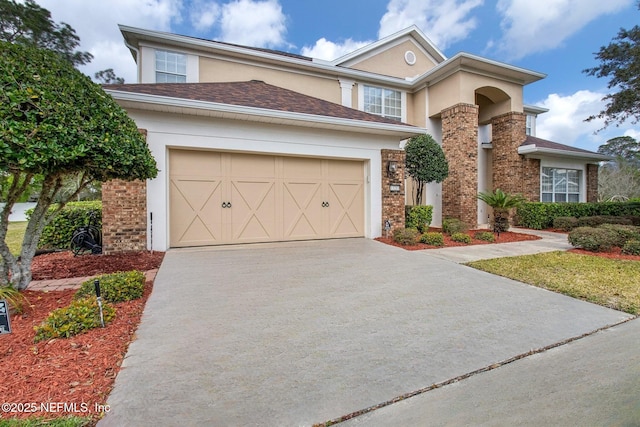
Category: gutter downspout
<point>138,65</point>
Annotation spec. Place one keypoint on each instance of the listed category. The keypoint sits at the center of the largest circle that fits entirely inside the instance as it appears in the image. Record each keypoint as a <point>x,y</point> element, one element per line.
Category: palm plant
<point>502,203</point>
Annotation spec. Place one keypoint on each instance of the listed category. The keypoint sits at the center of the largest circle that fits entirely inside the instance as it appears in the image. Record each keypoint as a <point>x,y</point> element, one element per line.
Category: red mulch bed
<point>506,237</point>
<point>614,253</point>
<point>78,371</point>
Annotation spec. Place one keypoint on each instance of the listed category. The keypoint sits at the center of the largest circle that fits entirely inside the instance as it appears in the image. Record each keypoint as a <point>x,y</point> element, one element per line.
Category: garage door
<point>222,198</point>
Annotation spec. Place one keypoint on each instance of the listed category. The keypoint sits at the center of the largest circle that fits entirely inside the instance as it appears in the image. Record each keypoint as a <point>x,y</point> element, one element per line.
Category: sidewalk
<point>461,254</point>
<point>71,282</point>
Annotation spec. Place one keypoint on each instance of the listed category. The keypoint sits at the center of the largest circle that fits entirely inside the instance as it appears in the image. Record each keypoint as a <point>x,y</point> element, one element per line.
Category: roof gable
<point>539,146</point>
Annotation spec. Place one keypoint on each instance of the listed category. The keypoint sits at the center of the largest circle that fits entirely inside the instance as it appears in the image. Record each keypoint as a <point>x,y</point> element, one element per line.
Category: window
<point>383,102</point>
<point>529,124</point>
<point>560,185</point>
<point>171,67</point>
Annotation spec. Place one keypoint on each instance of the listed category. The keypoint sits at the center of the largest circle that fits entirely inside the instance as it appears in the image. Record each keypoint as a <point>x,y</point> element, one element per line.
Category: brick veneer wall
<point>460,146</point>
<point>124,216</point>
<point>592,183</point>
<point>531,179</point>
<point>393,202</point>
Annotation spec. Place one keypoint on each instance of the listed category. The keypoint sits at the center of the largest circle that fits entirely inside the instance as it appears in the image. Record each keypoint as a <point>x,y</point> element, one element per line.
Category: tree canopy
<point>55,122</point>
<point>620,63</point>
<point>425,163</point>
<point>623,148</point>
<point>29,24</point>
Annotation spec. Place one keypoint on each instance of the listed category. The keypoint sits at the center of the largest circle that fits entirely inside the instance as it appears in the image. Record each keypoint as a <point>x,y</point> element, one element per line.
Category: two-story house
<point>257,145</point>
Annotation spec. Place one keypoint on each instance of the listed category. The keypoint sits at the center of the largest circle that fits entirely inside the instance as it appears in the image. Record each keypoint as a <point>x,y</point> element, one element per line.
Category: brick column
<point>460,146</point>
<point>124,216</point>
<point>531,179</point>
<point>508,133</point>
<point>393,201</point>
<point>592,183</point>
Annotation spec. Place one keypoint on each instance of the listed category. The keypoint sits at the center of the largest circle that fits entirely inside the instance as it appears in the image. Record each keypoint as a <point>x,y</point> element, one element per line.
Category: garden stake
<point>96,284</point>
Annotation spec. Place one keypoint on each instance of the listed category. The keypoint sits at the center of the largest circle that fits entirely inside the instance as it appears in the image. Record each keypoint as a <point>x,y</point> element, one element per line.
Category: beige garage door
<point>221,198</point>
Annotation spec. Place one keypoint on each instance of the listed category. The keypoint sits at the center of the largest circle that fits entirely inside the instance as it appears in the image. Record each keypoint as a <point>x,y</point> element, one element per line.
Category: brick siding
<point>592,183</point>
<point>124,216</point>
<point>393,202</point>
<point>460,146</point>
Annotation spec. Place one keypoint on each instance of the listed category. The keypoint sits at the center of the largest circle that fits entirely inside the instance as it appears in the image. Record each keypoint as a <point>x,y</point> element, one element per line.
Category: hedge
<point>538,215</point>
<point>57,234</point>
<point>418,217</point>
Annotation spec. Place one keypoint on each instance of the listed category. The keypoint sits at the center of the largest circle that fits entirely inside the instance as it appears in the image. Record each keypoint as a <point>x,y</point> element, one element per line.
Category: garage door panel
<point>194,212</point>
<point>346,212</point>
<point>220,198</point>
<point>302,210</point>
<point>253,210</point>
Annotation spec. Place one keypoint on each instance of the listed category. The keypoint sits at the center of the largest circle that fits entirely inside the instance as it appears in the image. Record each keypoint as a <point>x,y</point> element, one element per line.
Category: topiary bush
<point>454,225</point>
<point>115,287</point>
<point>593,239</point>
<point>632,247</point>
<point>565,223</point>
<point>78,317</point>
<point>57,234</point>
<point>418,217</point>
<point>461,238</point>
<point>432,238</point>
<point>406,236</point>
<point>624,233</point>
<point>487,236</point>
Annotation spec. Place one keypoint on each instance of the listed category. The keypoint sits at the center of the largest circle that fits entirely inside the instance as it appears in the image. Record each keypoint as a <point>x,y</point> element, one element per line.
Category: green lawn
<point>15,233</point>
<point>611,283</point>
<point>42,422</point>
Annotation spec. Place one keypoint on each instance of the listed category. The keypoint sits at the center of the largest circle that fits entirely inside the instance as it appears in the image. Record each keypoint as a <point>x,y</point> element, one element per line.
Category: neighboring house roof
<point>537,146</point>
<point>255,99</point>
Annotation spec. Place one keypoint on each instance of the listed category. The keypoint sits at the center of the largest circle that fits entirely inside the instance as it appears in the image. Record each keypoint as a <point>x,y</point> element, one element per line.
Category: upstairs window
<point>171,67</point>
<point>383,102</point>
<point>560,185</point>
<point>529,124</point>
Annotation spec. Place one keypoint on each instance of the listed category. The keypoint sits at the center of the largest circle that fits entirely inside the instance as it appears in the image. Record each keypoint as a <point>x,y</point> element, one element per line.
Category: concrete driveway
<point>305,332</point>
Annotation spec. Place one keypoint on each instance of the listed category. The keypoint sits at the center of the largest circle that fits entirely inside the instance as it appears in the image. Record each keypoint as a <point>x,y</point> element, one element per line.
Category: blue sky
<point>555,37</point>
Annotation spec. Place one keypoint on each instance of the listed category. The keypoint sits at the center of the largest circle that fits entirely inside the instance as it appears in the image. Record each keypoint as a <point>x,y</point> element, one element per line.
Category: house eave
<point>235,112</point>
<point>534,152</point>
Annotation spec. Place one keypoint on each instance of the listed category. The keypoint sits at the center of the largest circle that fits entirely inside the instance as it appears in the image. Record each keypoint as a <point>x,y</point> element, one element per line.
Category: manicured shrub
<point>487,236</point>
<point>593,239</point>
<point>454,225</point>
<point>624,233</point>
<point>57,234</point>
<point>78,317</point>
<point>418,217</point>
<point>596,220</point>
<point>632,247</point>
<point>115,287</point>
<point>538,215</point>
<point>433,239</point>
<point>565,223</point>
<point>406,236</point>
<point>635,219</point>
<point>461,238</point>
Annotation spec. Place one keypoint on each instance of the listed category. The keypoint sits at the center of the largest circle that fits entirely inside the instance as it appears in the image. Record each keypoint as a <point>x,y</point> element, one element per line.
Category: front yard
<point>608,282</point>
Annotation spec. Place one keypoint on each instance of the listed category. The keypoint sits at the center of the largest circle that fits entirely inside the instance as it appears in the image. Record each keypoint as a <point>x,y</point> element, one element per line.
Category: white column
<point>346,86</point>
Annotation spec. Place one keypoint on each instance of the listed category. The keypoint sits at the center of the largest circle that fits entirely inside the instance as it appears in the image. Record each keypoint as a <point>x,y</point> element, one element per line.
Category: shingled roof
<point>254,93</point>
<point>543,143</point>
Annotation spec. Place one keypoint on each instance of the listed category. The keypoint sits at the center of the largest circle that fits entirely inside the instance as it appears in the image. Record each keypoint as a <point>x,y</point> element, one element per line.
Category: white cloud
<point>633,133</point>
<point>564,123</point>
<point>203,14</point>
<point>530,27</point>
<point>253,23</point>
<point>444,22</point>
<point>96,23</point>
<point>328,50</point>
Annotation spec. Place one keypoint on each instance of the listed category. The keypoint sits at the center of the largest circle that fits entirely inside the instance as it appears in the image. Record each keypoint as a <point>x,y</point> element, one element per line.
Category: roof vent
<point>410,57</point>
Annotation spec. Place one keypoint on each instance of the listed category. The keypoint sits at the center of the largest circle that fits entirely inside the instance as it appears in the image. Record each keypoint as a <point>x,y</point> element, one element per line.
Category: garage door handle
<point>226,204</point>
<point>325,204</point>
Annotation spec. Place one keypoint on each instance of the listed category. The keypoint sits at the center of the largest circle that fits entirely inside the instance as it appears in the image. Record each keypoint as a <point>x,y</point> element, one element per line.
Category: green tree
<point>55,122</point>
<point>623,148</point>
<point>425,162</point>
<point>620,63</point>
<point>107,77</point>
<point>29,24</point>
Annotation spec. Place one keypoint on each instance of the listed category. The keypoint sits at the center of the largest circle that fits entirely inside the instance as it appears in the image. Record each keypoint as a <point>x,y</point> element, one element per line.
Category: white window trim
<point>403,99</point>
<point>582,195</point>
<point>148,66</point>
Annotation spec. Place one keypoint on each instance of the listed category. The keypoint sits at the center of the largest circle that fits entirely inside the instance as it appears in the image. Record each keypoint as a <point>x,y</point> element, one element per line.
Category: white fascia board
<point>531,149</point>
<point>321,67</point>
<point>534,109</point>
<point>467,62</point>
<point>401,131</point>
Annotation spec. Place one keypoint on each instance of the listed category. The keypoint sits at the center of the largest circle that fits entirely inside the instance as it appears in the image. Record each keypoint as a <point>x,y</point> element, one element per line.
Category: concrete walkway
<point>306,332</point>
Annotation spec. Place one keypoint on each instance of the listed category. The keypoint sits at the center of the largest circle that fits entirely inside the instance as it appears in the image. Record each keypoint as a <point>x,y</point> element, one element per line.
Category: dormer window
<point>171,67</point>
<point>383,102</point>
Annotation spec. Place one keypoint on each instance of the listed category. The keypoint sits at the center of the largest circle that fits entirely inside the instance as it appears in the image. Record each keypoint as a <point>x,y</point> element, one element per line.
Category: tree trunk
<point>418,190</point>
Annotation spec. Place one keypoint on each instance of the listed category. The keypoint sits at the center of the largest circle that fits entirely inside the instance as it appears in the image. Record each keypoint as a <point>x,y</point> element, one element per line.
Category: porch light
<point>392,166</point>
